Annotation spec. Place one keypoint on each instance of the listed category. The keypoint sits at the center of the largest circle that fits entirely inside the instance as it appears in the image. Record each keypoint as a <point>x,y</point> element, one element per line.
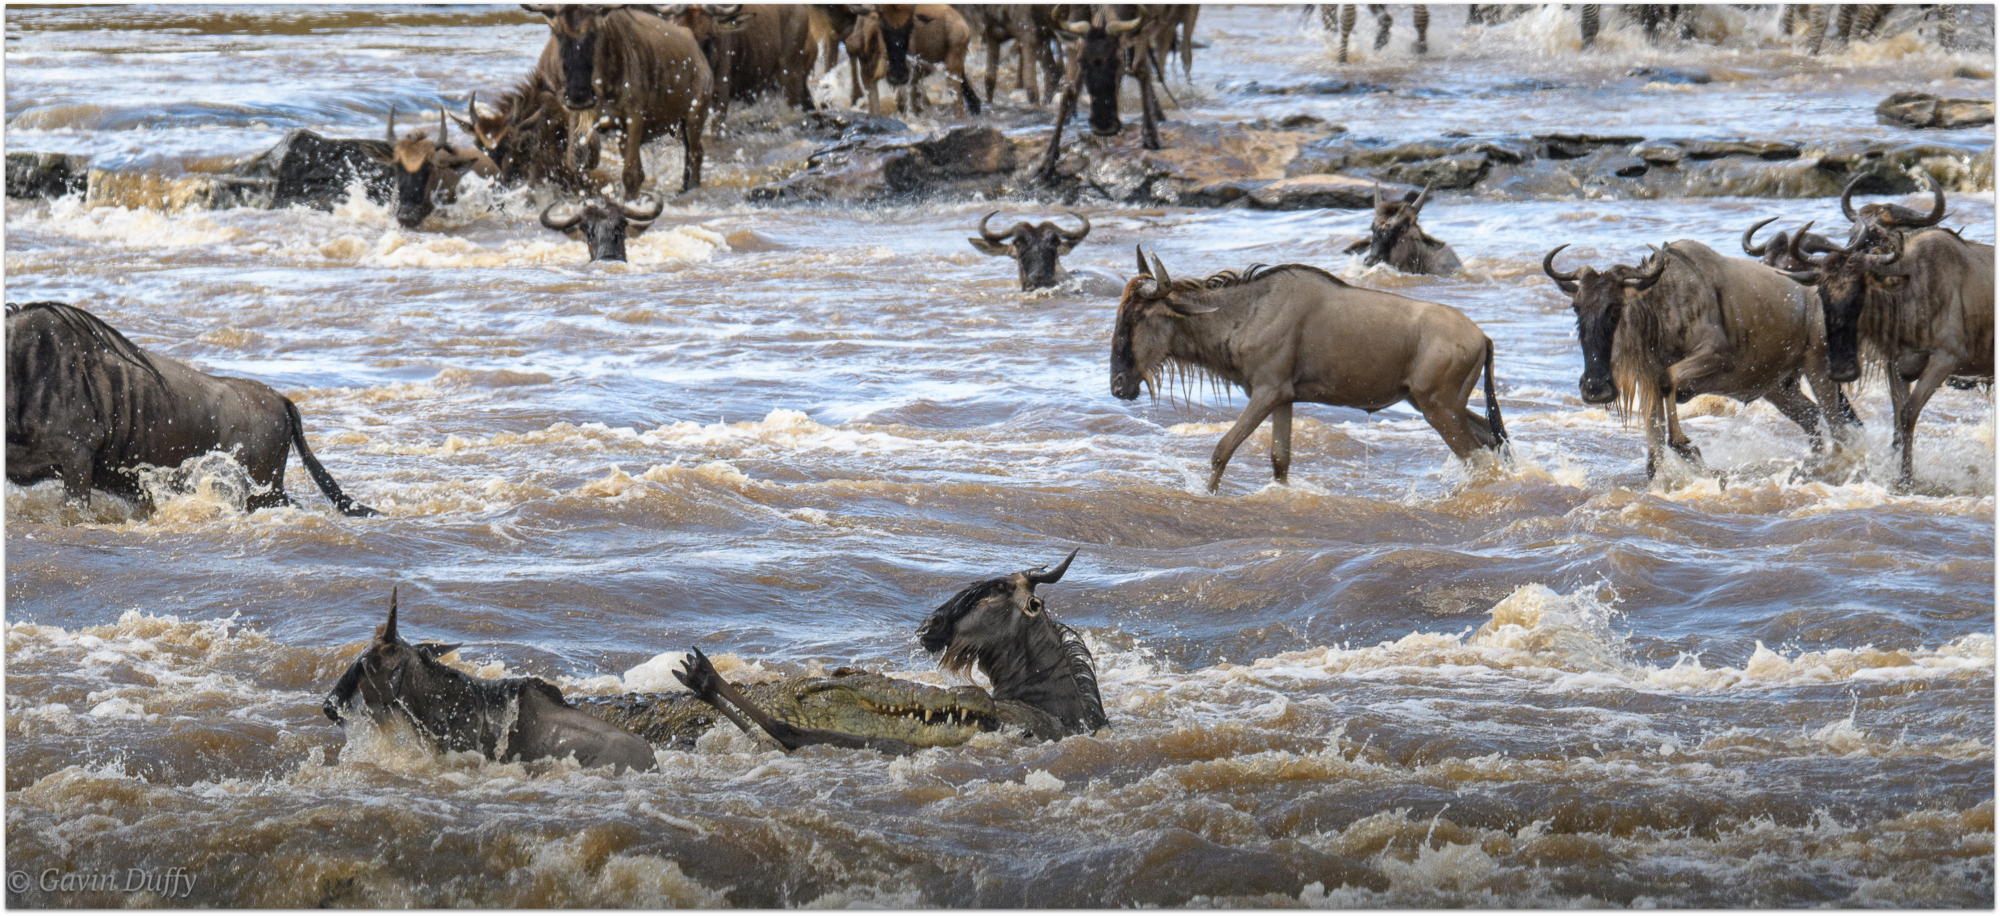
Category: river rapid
<point>786,434</point>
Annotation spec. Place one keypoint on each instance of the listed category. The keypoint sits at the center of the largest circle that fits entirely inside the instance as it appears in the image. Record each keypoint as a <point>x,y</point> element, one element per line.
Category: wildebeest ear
<point>436,650</point>
<point>1357,247</point>
<point>1001,251</point>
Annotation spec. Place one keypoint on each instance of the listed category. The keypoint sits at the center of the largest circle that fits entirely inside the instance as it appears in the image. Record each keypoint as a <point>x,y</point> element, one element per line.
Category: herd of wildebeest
<point>1902,296</point>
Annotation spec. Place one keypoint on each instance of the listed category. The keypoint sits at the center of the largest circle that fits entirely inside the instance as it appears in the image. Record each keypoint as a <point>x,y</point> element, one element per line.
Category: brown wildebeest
<point>604,224</point>
<point>427,170</point>
<point>636,71</point>
<point>86,405</point>
<point>526,132</point>
<point>1031,27</point>
<point>1034,248</point>
<point>754,49</point>
<point>1395,238</point>
<point>903,44</point>
<point>1107,48</point>
<point>1923,312</point>
<point>1689,321</point>
<point>516,718</point>
<point>1876,226</point>
<point>1776,252</point>
<point>1297,333</point>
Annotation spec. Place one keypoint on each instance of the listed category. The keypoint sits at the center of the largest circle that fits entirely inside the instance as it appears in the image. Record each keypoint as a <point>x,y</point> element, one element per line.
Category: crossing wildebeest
<point>903,44</point>
<point>1689,321</point>
<point>1034,248</point>
<point>1777,250</point>
<point>507,719</point>
<point>1420,19</point>
<point>1042,676</point>
<point>639,73</point>
<point>86,405</point>
<point>525,133</point>
<point>1105,52</point>
<point>604,224</point>
<point>1394,238</point>
<point>1922,311</point>
<point>1297,333</point>
<point>1028,25</point>
<point>754,49</point>
<point>428,169</point>
<point>1876,226</point>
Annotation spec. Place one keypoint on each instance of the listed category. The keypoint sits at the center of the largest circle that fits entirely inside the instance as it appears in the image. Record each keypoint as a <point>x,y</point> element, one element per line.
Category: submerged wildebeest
<point>1777,250</point>
<point>639,74</point>
<point>1877,226</point>
<point>88,406</point>
<point>1394,238</point>
<point>1923,312</point>
<point>1689,321</point>
<point>1042,676</point>
<point>526,132</point>
<point>903,43</point>
<point>754,49</point>
<point>604,224</point>
<point>1106,49</point>
<point>1034,248</point>
<point>516,718</point>
<point>427,170</point>
<point>1297,333</point>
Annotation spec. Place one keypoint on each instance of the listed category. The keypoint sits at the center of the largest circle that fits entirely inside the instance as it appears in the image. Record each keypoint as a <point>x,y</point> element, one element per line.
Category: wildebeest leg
<point>1065,107</point>
<point>1799,409</point>
<point>992,66</point>
<point>701,678</point>
<point>1149,104</point>
<point>1656,434</point>
<point>1261,405</point>
<point>692,149</point>
<point>634,170</point>
<point>1676,439</point>
<point>1937,368</point>
<point>75,467</point>
<point>1281,442</point>
<point>954,69</point>
<point>1420,16</point>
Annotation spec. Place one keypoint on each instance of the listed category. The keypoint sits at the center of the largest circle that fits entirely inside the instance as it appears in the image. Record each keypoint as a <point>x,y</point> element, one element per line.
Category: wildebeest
<point>1876,226</point>
<point>525,133</point>
<point>1689,321</point>
<point>1028,25</point>
<point>1034,248</point>
<point>1041,672</point>
<point>516,718</point>
<point>1776,251</point>
<point>1297,333</point>
<point>1107,49</point>
<point>86,405</point>
<point>1420,19</point>
<point>640,73</point>
<point>604,224</point>
<point>754,49</point>
<point>428,169</point>
<point>903,44</point>
<point>1923,311</point>
<point>1394,238</point>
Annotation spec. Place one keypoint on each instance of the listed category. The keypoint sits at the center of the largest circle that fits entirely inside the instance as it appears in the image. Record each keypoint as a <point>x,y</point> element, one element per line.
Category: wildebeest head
<point>1876,224</point>
<point>896,21</point>
<point>1102,59</point>
<point>389,675</point>
<point>604,224</point>
<point>1844,278</point>
<point>707,21</point>
<point>1394,221</point>
<point>1599,298</point>
<point>1147,314</point>
<point>578,31</point>
<point>1034,248</point>
<point>427,170</point>
<point>1000,626</point>
<point>1776,251</point>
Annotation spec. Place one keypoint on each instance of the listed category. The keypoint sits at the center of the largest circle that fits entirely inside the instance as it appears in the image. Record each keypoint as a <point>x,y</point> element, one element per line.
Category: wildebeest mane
<point>94,333</point>
<point>1082,668</point>
<point>1228,278</point>
<point>1186,374</point>
<point>959,657</point>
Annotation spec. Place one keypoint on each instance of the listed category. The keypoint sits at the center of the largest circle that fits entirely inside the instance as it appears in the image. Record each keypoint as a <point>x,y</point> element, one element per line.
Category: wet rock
<point>960,161</point>
<point>1448,172</point>
<point>46,175</point>
<point>1789,179</point>
<point>1577,146</point>
<point>1666,154</point>
<point>842,124</point>
<point>1202,164</point>
<point>1671,75</point>
<point>1315,87</point>
<point>1971,73</point>
<point>1319,192</point>
<point>1923,111</point>
<point>1717,149</point>
<point>1629,167</point>
<point>1503,151</point>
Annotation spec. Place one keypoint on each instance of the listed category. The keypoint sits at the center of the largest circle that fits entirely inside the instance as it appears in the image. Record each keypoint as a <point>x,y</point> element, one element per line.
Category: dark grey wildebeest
<point>1923,312</point>
<point>603,224</point>
<point>516,718</point>
<point>1394,238</point>
<point>1297,333</point>
<point>88,406</point>
<point>1689,321</point>
<point>1034,248</point>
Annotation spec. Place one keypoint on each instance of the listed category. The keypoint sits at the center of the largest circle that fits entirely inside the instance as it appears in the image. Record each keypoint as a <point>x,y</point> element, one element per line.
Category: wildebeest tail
<point>1493,421</point>
<point>327,485</point>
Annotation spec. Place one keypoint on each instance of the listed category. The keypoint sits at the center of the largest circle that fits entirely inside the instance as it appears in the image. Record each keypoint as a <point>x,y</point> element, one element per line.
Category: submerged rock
<point>960,161</point>
<point>1923,111</point>
<point>1316,192</point>
<point>45,175</point>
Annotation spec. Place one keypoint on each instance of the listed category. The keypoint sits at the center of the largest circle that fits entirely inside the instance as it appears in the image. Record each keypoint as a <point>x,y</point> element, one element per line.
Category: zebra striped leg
<point>1590,12</point>
<point>1382,23</point>
<point>1347,12</point>
<point>1420,16</point>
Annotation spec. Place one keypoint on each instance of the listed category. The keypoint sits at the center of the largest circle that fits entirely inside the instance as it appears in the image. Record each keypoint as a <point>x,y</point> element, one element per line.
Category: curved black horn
<point>389,629</point>
<point>987,234</point>
<point>642,216</point>
<point>1884,260</point>
<point>1756,251</point>
<point>1144,269</point>
<point>1846,200</point>
<point>563,225</point>
<point>1078,235</point>
<point>1936,216</point>
<point>1161,282</point>
<point>444,128</point>
<point>1549,266</point>
<point>392,122</point>
<point>1795,247</point>
<point>1037,576</point>
<point>1646,280</point>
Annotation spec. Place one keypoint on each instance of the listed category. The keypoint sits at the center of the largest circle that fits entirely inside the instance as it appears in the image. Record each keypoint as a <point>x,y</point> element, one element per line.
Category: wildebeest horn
<point>563,224</point>
<point>1378,194</point>
<point>1912,221</point>
<point>1884,260</point>
<point>389,629</point>
<point>1121,26</point>
<point>1756,251</point>
<point>642,216</point>
<point>1646,280</point>
<point>1418,204</point>
<point>1549,266</point>
<point>1038,576</point>
<point>1078,235</point>
<point>987,234</point>
<point>1161,282</point>
<point>1846,200</point>
<point>1068,27</point>
<point>444,126</point>
<point>392,122</point>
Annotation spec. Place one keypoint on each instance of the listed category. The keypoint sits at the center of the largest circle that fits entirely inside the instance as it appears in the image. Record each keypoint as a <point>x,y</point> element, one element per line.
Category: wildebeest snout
<point>1125,386</point>
<point>1596,390</point>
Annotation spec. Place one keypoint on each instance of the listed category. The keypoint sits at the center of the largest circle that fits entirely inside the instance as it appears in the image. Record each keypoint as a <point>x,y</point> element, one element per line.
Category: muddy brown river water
<point>787,433</point>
